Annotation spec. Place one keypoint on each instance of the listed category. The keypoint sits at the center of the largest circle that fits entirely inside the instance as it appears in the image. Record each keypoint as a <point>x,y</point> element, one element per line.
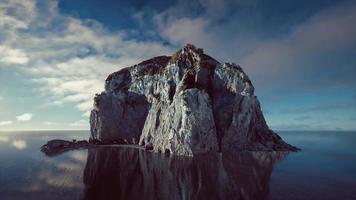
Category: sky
<point>56,54</point>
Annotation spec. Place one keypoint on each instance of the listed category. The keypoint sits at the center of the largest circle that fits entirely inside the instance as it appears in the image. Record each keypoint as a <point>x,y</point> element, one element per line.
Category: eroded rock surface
<point>183,104</point>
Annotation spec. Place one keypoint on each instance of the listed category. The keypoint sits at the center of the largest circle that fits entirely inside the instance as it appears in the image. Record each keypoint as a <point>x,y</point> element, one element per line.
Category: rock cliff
<point>183,104</point>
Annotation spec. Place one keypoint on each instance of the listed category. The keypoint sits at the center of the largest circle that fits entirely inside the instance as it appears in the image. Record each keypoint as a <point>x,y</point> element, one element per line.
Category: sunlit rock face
<point>126,173</point>
<point>184,104</point>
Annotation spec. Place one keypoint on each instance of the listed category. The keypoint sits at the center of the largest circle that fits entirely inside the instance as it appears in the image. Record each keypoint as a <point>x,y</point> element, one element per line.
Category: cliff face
<point>185,104</point>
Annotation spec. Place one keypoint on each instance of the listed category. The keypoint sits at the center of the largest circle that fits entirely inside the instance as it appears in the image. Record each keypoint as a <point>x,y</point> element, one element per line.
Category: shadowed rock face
<point>185,104</point>
<point>126,173</point>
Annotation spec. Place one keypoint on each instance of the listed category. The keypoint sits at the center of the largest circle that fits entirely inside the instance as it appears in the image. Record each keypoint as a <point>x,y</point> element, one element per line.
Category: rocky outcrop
<point>185,104</point>
<point>57,147</point>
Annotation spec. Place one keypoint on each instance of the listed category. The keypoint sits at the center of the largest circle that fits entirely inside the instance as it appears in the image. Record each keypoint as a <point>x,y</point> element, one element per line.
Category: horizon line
<point>19,130</point>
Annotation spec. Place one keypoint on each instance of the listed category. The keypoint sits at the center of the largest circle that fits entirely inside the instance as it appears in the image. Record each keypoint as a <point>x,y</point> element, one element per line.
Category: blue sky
<point>55,55</point>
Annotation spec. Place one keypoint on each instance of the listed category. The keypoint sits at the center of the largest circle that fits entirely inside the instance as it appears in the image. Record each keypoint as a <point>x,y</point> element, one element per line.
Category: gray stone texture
<point>183,104</point>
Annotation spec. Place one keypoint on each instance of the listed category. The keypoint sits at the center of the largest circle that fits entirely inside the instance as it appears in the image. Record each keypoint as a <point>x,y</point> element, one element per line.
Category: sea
<point>324,169</point>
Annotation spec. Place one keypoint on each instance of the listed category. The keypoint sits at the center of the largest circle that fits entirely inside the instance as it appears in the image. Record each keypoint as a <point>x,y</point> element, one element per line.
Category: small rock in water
<point>55,147</point>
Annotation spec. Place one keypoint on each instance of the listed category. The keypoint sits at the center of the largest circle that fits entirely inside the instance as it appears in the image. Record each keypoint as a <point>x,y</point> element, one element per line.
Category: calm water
<point>324,169</point>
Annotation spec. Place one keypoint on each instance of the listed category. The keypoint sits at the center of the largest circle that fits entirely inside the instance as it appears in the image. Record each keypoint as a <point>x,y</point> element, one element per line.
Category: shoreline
<point>118,145</point>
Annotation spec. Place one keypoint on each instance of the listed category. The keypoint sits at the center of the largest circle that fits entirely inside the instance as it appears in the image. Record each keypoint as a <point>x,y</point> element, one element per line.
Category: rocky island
<point>184,104</point>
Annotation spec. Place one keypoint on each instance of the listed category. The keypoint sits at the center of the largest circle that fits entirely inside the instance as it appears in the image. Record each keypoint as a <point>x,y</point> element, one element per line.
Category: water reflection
<point>4,139</point>
<point>19,144</point>
<point>325,169</point>
<point>126,173</point>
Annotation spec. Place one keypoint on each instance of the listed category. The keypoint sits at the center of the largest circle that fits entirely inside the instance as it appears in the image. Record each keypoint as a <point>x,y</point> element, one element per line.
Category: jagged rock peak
<point>184,104</point>
<point>189,57</point>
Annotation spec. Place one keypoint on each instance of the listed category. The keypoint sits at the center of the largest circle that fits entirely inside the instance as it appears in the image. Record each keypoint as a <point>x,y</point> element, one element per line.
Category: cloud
<point>80,123</point>
<point>324,32</point>
<point>1,98</point>
<point>19,144</point>
<point>85,105</point>
<point>4,123</point>
<point>24,117</point>
<point>294,57</point>
<point>222,28</point>
<point>12,56</point>
<point>23,12</point>
<point>66,58</point>
<point>184,30</point>
<point>70,90</point>
<point>48,123</point>
<point>86,114</point>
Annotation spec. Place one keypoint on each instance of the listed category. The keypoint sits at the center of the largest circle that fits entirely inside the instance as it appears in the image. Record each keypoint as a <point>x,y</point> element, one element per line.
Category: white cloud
<point>68,58</point>
<point>186,30</point>
<point>12,56</point>
<point>70,62</point>
<point>21,15</point>
<point>4,123</point>
<point>86,114</point>
<point>48,123</point>
<point>87,105</point>
<point>19,144</point>
<point>80,123</point>
<point>24,117</point>
<point>1,98</point>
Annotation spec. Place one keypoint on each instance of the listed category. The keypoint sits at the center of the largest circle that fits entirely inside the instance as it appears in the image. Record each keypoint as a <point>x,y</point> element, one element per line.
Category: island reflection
<point>127,173</point>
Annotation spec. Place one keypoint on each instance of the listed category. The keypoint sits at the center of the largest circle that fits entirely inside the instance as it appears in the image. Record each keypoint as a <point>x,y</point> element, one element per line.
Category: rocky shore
<point>57,146</point>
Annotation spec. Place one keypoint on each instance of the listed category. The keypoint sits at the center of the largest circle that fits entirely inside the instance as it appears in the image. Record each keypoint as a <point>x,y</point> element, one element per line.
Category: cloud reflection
<point>4,139</point>
<point>19,144</point>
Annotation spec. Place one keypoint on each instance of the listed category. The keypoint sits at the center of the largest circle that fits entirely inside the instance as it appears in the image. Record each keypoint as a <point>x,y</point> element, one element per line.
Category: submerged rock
<point>185,104</point>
